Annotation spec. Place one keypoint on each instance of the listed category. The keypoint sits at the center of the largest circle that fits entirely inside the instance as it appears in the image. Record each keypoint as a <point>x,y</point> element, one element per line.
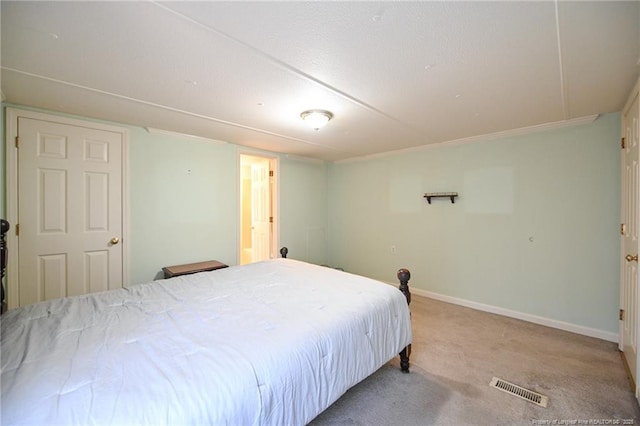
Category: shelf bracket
<point>450,195</point>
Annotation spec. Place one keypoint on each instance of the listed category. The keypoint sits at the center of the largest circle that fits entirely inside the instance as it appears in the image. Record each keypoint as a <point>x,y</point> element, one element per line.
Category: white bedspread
<point>274,342</point>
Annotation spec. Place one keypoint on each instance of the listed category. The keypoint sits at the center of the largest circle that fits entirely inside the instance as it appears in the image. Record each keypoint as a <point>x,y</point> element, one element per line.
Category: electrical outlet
<point>393,250</point>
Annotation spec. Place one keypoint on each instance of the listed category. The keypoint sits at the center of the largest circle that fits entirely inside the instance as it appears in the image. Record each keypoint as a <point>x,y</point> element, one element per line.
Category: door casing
<point>12,213</point>
<point>274,195</point>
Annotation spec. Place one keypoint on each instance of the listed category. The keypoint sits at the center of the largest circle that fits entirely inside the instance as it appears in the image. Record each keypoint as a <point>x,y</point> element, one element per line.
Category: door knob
<point>116,240</point>
<point>631,258</point>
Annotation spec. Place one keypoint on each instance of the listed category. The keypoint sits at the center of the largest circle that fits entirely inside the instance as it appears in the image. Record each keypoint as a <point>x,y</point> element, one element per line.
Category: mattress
<point>273,342</point>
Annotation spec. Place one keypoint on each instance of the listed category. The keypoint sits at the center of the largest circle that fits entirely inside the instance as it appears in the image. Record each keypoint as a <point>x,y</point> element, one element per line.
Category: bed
<point>272,342</point>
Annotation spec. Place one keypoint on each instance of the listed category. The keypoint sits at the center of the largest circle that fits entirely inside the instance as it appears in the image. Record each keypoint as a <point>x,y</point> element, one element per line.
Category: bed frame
<point>403,276</point>
<point>4,228</point>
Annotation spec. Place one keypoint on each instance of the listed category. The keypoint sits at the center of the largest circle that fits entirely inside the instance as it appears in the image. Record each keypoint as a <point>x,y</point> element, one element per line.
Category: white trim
<point>561,325</point>
<point>126,212</point>
<point>11,162</point>
<point>490,136</point>
<point>11,206</point>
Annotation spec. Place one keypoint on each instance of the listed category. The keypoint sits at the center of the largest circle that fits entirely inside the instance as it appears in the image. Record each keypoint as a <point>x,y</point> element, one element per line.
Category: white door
<point>69,210</point>
<point>630,222</point>
<point>260,211</point>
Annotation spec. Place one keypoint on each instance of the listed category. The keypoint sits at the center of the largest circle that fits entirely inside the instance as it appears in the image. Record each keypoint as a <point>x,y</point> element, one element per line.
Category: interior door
<point>260,210</point>
<point>69,210</point>
<point>630,222</point>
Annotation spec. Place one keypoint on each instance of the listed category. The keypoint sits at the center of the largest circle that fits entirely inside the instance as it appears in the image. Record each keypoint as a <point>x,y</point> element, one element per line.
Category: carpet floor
<point>456,352</point>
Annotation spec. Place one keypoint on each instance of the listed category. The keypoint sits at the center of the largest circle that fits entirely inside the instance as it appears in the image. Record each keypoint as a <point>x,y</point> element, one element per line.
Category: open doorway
<point>258,205</point>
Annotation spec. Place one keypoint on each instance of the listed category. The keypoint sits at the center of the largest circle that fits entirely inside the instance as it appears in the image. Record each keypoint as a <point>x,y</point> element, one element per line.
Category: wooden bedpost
<point>283,252</point>
<point>4,228</point>
<point>403,276</point>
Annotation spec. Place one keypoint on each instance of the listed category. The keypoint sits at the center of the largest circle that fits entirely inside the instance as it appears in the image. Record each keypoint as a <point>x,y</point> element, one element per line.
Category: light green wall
<point>534,230</point>
<point>183,199</point>
<point>183,202</point>
<point>303,213</point>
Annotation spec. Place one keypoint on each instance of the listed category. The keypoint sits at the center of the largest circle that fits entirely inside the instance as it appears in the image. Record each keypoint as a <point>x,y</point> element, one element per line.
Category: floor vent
<point>516,390</point>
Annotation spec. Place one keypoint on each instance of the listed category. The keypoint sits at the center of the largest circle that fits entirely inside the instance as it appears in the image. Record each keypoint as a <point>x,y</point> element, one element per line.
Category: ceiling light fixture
<point>316,118</point>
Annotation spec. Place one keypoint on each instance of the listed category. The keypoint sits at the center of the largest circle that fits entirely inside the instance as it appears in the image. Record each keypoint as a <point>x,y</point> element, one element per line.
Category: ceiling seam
<point>563,92</point>
<point>292,69</point>
<point>168,108</point>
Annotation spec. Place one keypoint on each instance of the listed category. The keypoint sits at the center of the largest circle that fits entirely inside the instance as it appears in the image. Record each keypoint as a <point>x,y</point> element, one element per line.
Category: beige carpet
<point>457,351</point>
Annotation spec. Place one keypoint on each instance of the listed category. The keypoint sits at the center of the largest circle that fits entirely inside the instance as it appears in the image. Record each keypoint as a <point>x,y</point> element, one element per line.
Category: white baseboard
<point>586,331</point>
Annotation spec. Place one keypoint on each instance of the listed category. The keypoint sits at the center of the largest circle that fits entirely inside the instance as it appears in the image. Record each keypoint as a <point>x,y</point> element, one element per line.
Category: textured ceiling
<point>396,75</point>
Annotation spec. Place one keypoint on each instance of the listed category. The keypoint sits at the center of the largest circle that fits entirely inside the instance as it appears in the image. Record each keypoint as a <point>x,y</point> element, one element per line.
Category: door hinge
<point>270,219</point>
<point>17,141</point>
<point>622,144</point>
<point>621,315</point>
<point>270,173</point>
<point>17,229</point>
<point>622,229</point>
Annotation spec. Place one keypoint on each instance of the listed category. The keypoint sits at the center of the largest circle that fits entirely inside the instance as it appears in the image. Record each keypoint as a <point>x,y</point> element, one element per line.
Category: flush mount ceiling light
<point>316,118</point>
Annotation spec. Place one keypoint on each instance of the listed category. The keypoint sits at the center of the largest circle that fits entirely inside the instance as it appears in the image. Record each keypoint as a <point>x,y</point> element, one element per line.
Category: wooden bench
<point>192,268</point>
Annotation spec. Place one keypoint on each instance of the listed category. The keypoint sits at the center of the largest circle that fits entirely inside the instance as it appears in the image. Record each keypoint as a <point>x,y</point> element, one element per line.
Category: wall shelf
<point>450,195</point>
